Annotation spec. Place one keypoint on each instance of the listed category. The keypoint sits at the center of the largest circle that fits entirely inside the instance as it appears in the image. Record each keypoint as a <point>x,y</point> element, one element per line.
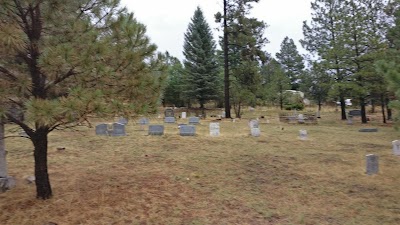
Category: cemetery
<point>249,169</point>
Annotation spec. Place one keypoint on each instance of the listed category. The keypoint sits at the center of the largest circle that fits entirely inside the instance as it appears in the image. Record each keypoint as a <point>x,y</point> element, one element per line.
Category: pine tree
<point>292,62</point>
<point>275,83</point>
<point>96,60</point>
<point>201,68</point>
<point>173,93</point>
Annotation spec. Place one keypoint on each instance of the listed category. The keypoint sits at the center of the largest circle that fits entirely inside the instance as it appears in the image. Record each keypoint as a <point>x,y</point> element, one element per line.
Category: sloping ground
<point>232,179</point>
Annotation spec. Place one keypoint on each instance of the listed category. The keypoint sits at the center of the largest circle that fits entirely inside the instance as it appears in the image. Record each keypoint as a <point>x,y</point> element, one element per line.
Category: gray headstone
<point>254,124</point>
<point>123,121</point>
<point>187,130</point>
<point>368,130</point>
<point>372,164</point>
<point>350,120</point>
<point>102,129</point>
<point>6,183</point>
<point>214,129</point>
<point>183,116</point>
<point>255,132</point>
<point>169,113</point>
<point>118,129</point>
<point>144,121</point>
<point>156,129</point>
<point>194,120</point>
<point>355,112</point>
<point>169,120</point>
<point>303,134</point>
<point>396,147</point>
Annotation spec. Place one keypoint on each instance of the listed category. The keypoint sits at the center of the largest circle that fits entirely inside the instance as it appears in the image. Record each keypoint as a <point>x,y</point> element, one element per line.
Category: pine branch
<point>8,75</point>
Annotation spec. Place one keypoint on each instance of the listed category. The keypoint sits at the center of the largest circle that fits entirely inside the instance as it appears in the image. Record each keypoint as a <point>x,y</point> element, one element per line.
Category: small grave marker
<point>350,120</point>
<point>396,147</point>
<point>123,121</point>
<point>368,130</point>
<point>255,132</point>
<point>300,118</point>
<point>303,134</point>
<point>156,129</point>
<point>169,120</point>
<point>214,129</point>
<point>102,129</point>
<point>372,164</point>
<point>194,120</point>
<point>169,113</point>
<point>118,130</point>
<point>183,116</point>
<point>223,114</point>
<point>187,130</point>
<point>254,124</point>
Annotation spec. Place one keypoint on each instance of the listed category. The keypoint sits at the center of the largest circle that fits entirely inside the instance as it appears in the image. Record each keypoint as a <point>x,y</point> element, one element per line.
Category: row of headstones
<point>191,120</point>
<point>184,130</point>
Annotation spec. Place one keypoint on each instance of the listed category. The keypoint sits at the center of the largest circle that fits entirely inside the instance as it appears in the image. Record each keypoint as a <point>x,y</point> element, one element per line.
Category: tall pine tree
<point>201,67</point>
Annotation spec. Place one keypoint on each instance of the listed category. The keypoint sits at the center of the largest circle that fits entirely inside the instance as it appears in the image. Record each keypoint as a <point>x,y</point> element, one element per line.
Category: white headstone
<point>300,118</point>
<point>183,116</point>
<point>396,147</point>
<point>255,132</point>
<point>214,129</point>
<point>253,124</point>
<point>303,134</point>
<point>223,114</point>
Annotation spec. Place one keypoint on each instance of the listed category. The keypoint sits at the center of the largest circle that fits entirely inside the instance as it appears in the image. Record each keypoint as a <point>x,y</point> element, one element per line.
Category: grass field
<point>232,179</point>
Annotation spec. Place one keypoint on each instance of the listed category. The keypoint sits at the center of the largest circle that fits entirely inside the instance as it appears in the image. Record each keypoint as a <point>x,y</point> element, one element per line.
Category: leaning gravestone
<point>372,164</point>
<point>118,129</point>
<point>187,130</point>
<point>102,129</point>
<point>169,120</point>
<point>123,121</point>
<point>396,147</point>
<point>214,129</point>
<point>144,121</point>
<point>194,120</point>
<point>254,124</point>
<point>303,134</point>
<point>255,132</point>
<point>156,130</point>
<point>169,113</point>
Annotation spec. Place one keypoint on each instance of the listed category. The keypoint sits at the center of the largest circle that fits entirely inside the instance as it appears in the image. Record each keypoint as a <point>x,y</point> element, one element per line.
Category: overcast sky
<point>167,20</point>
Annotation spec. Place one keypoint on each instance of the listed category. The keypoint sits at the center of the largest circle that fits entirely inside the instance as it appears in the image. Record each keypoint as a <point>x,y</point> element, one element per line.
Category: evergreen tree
<point>173,93</point>
<point>276,82</point>
<point>292,62</point>
<point>201,68</point>
<point>96,60</point>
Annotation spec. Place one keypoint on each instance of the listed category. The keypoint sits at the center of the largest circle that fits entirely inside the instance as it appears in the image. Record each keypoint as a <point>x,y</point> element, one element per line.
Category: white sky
<point>167,20</point>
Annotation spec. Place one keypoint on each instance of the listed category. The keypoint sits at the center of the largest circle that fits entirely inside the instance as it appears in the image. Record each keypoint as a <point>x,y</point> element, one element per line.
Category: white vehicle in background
<point>347,102</point>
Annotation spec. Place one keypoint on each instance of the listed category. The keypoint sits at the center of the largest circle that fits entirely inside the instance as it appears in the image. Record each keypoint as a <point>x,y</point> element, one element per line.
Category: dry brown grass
<point>231,179</point>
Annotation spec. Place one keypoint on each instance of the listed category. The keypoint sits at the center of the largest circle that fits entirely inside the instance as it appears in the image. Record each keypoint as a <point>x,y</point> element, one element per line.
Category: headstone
<point>194,120</point>
<point>350,120</point>
<point>156,129</point>
<point>368,130</point>
<point>118,129</point>
<point>123,121</point>
<point>187,130</point>
<point>102,129</point>
<point>169,113</point>
<point>144,121</point>
<point>254,124</point>
<point>251,109</point>
<point>300,118</point>
<point>303,134</point>
<point>223,114</point>
<point>355,112</point>
<point>169,120</point>
<point>214,129</point>
<point>183,116</point>
<point>396,147</point>
<point>318,114</point>
<point>255,132</point>
<point>372,164</point>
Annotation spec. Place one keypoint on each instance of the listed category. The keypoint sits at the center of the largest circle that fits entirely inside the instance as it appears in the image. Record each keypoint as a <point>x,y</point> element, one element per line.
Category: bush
<point>296,106</point>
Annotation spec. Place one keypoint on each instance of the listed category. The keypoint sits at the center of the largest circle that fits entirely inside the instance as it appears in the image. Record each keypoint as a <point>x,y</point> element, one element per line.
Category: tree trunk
<point>226,66</point>
<point>343,108</point>
<point>3,162</point>
<point>363,113</point>
<point>388,109</point>
<point>43,188</point>
<point>203,112</point>
<point>383,108</point>
<point>372,106</point>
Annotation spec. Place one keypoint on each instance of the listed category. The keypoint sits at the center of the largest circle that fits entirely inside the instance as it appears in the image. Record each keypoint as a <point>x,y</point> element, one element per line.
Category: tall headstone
<point>255,132</point>
<point>169,113</point>
<point>194,120</point>
<point>169,120</point>
<point>214,129</point>
<point>187,130</point>
<point>372,164</point>
<point>156,129</point>
<point>118,129</point>
<point>223,114</point>
<point>102,129</point>
<point>396,147</point>
<point>183,116</point>
<point>303,134</point>
<point>123,121</point>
